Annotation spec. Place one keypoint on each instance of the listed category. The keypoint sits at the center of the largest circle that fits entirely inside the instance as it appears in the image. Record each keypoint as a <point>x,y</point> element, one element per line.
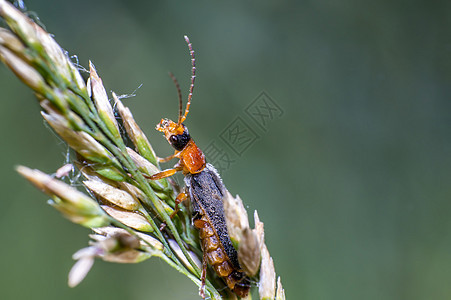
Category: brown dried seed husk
<point>236,216</point>
<point>125,239</point>
<point>113,195</point>
<point>135,133</point>
<point>108,230</point>
<point>259,229</point>
<point>174,246</point>
<point>132,190</point>
<point>65,192</point>
<point>249,252</point>
<point>80,270</point>
<point>64,170</point>
<point>19,23</point>
<point>267,283</point>
<point>10,41</point>
<point>280,294</point>
<point>148,240</point>
<point>57,56</point>
<point>34,36</point>
<point>80,141</point>
<point>127,256</point>
<point>101,101</point>
<point>24,71</point>
<point>147,168</point>
<point>131,219</point>
<point>143,164</point>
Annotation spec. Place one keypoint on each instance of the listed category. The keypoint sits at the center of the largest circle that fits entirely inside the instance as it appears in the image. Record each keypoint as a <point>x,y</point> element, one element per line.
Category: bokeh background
<point>352,181</point>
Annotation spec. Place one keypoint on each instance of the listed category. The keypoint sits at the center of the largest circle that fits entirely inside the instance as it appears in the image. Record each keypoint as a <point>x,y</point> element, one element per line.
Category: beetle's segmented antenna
<point>179,93</point>
<point>193,77</point>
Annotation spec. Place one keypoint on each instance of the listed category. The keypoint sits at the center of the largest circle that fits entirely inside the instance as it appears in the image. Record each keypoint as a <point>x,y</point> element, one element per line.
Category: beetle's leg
<point>165,173</point>
<point>204,275</point>
<point>166,159</point>
<point>180,198</point>
<point>202,224</point>
<point>199,224</point>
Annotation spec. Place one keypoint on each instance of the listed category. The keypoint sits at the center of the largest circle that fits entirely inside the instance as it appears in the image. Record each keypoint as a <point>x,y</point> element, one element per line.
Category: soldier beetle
<point>205,189</point>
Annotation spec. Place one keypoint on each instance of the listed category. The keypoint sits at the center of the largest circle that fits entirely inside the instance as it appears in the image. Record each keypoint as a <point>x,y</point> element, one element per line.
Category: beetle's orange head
<point>177,135</point>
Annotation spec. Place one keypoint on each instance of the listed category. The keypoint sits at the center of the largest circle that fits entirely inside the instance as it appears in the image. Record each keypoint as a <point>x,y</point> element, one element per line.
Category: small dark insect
<point>206,191</point>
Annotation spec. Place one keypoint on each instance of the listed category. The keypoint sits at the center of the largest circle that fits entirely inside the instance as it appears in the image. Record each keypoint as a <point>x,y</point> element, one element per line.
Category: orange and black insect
<point>206,191</point>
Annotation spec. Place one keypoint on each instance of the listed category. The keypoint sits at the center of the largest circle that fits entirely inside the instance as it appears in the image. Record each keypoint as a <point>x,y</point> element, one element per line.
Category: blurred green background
<point>352,181</point>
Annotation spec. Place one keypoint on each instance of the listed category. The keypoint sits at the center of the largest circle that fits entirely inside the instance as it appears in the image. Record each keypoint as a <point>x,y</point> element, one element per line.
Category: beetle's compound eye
<point>174,139</point>
<point>179,141</point>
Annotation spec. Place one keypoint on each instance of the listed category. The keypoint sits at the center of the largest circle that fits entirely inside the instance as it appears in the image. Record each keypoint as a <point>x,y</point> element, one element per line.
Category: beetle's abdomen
<point>217,258</point>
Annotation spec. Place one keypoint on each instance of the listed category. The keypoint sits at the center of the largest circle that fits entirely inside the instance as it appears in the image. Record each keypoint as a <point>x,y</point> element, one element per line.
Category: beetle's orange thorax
<point>192,158</point>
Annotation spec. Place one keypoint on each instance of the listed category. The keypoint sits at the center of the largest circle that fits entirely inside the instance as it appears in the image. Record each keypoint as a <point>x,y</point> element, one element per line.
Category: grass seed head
<point>75,205</point>
<point>267,283</point>
<point>24,71</point>
<point>130,219</point>
<point>135,133</point>
<point>113,195</point>
<point>103,106</point>
<point>249,252</point>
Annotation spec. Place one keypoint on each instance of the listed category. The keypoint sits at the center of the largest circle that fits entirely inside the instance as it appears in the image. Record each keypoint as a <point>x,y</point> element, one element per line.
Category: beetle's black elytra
<point>206,191</point>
